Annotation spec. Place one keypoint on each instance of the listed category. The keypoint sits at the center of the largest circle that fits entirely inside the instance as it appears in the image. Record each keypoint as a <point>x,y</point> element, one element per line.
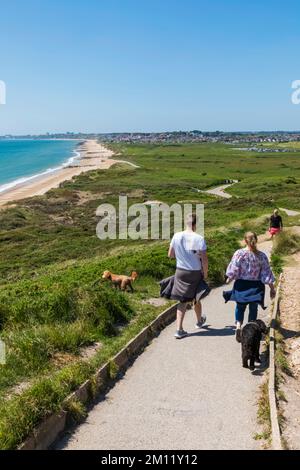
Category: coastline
<point>93,156</point>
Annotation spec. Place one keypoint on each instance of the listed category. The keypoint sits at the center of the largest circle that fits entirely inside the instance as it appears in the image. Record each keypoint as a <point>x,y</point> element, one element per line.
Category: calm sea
<point>22,160</point>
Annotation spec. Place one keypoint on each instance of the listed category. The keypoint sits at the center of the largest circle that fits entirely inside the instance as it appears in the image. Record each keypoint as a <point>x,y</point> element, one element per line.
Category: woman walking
<point>188,284</point>
<point>276,224</point>
<point>250,268</point>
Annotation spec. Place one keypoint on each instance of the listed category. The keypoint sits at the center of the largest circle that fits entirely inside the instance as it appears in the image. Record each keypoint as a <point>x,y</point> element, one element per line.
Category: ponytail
<point>251,240</point>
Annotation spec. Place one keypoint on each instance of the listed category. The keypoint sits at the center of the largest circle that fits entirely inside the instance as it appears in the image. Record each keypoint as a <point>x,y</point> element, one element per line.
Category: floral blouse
<point>250,266</point>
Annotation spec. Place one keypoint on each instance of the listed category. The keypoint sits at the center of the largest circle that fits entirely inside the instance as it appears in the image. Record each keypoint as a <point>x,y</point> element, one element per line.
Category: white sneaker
<point>180,334</point>
<point>199,324</point>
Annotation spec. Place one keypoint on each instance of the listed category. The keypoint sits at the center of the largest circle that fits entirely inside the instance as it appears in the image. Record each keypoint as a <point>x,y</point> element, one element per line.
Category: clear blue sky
<point>149,65</point>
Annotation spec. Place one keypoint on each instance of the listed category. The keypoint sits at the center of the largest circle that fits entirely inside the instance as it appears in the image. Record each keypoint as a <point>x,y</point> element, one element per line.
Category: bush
<point>286,243</point>
<point>45,301</point>
<point>277,264</point>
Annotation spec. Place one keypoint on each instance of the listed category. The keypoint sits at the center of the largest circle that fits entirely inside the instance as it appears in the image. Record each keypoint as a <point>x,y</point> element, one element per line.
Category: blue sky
<point>128,65</point>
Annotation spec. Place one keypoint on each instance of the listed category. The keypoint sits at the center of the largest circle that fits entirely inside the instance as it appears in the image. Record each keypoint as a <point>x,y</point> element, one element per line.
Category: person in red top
<point>276,224</point>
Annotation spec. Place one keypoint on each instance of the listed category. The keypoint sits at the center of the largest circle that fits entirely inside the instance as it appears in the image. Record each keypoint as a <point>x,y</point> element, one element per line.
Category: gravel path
<point>290,323</point>
<point>127,163</point>
<point>289,212</point>
<point>220,190</point>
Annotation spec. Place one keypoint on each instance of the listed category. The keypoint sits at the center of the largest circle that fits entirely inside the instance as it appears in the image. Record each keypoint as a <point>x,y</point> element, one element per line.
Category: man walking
<point>189,249</point>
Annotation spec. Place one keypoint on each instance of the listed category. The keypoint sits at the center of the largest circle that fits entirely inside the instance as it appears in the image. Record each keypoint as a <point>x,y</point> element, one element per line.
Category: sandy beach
<point>94,156</point>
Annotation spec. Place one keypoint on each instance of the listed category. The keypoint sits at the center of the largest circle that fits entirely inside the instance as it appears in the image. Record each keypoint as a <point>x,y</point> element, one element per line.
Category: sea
<point>24,160</point>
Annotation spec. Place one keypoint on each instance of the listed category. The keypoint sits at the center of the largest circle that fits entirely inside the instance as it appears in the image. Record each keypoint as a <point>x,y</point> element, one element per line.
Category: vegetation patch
<point>52,299</point>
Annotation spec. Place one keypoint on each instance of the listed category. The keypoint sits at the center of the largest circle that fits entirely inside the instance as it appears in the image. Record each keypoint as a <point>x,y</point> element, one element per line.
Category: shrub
<point>286,243</point>
<point>277,264</point>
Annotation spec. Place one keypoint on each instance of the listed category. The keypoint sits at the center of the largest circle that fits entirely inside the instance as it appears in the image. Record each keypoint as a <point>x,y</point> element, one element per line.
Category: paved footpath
<point>180,394</point>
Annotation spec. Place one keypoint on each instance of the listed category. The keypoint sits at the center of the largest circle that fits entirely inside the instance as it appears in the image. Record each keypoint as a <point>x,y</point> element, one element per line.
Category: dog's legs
<point>257,347</point>
<point>123,286</point>
<point>130,287</point>
<point>257,357</point>
<point>252,366</point>
<point>245,360</point>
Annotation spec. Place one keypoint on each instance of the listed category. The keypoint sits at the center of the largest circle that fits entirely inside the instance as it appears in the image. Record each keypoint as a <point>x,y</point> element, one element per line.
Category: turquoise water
<point>20,160</point>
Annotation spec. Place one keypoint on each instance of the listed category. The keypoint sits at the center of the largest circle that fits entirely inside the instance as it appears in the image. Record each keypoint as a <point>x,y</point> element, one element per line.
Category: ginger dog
<point>120,281</point>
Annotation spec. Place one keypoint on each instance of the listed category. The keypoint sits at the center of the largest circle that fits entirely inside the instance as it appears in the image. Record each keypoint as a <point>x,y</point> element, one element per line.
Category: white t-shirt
<point>187,246</point>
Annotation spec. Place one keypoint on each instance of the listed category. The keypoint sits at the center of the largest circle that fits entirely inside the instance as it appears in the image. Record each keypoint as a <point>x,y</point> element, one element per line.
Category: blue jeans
<point>240,310</point>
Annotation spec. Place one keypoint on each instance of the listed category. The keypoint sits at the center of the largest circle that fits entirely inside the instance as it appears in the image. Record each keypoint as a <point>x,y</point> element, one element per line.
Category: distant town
<point>173,137</point>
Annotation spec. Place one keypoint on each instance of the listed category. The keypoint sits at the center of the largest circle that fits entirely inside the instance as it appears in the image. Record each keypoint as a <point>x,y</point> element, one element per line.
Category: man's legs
<point>201,319</point>
<point>181,309</point>
<point>198,311</point>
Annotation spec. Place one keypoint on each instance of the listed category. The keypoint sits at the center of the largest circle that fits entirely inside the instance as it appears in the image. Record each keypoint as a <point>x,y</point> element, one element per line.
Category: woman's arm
<point>272,290</point>
<point>266,274</point>
<point>233,269</point>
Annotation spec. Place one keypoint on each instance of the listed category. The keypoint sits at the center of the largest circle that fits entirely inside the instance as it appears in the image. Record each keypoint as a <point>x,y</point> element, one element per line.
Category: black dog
<point>251,338</point>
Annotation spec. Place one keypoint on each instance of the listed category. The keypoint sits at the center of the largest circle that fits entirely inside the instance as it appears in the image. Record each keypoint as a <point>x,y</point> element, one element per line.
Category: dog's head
<point>134,275</point>
<point>106,275</point>
<point>262,326</point>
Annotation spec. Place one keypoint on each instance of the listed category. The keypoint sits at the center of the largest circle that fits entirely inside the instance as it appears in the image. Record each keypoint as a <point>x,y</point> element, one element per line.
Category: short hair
<point>191,220</point>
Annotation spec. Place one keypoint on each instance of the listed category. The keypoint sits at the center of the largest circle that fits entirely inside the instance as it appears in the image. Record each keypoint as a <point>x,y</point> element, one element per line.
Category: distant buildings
<point>177,137</point>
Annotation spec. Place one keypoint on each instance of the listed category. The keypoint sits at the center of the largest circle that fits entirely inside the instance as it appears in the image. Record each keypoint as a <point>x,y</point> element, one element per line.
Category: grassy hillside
<point>51,308</point>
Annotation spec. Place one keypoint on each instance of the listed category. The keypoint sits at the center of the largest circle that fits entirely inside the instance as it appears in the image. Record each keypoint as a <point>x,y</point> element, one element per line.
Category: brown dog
<point>120,281</point>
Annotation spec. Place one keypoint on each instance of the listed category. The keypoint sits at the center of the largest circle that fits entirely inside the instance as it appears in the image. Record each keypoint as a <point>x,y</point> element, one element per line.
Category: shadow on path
<point>208,331</point>
<point>287,334</point>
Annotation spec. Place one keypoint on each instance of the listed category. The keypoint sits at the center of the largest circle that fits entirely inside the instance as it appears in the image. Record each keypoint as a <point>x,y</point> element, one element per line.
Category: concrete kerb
<point>49,430</point>
<point>46,433</point>
<point>276,436</point>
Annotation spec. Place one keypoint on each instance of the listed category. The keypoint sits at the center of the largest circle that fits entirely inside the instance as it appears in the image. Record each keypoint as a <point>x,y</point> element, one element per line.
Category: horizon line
<point>49,134</point>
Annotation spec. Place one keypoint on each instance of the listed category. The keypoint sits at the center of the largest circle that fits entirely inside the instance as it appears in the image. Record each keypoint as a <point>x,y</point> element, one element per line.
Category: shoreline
<point>93,156</point>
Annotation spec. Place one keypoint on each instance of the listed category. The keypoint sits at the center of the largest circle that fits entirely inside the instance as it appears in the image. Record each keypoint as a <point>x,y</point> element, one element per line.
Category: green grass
<point>263,414</point>
<point>286,243</point>
<point>50,258</point>
<point>277,263</point>
<point>283,145</point>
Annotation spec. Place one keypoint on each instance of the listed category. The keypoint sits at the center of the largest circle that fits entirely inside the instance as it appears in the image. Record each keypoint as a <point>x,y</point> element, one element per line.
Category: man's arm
<point>204,262</point>
<point>171,253</point>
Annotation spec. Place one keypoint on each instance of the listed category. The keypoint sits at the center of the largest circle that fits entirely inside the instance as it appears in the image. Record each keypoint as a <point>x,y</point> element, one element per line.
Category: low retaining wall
<point>49,430</point>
